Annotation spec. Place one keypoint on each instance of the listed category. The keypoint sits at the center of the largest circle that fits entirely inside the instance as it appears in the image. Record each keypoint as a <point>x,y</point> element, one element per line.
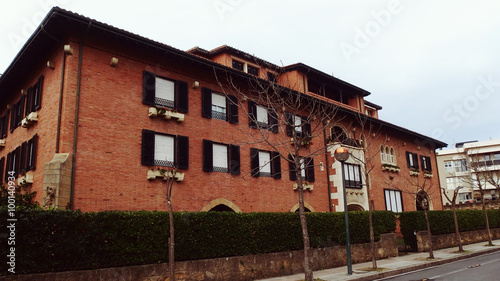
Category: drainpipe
<point>77,112</point>
<point>327,166</point>
<point>59,112</point>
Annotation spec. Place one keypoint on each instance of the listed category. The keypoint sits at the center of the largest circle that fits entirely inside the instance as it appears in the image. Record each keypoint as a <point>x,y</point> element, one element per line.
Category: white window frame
<point>164,92</point>
<point>262,115</point>
<point>219,106</point>
<point>265,163</point>
<point>393,200</point>
<point>297,121</point>
<point>164,150</point>
<point>220,157</point>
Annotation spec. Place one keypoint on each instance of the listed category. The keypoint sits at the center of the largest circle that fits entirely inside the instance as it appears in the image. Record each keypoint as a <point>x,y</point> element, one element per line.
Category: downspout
<point>77,112</point>
<point>59,112</point>
<point>328,184</point>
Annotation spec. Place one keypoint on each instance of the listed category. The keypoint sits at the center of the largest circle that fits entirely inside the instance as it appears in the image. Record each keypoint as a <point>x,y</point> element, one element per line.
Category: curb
<point>421,266</point>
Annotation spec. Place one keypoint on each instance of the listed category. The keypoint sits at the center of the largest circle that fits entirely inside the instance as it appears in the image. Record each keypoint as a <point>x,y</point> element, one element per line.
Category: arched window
<point>422,201</point>
<point>393,156</point>
<point>337,134</point>
<point>221,208</point>
<point>382,154</point>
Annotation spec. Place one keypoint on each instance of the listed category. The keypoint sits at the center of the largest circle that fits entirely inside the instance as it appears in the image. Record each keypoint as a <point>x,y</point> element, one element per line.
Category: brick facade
<point>108,105</point>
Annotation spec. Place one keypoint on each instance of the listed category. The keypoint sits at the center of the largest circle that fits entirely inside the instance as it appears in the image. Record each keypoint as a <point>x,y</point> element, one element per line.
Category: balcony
<point>29,120</point>
<point>166,114</point>
<point>153,174</point>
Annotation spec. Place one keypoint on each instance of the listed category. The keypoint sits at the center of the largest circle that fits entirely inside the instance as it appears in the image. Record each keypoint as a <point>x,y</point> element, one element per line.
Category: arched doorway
<point>221,208</point>
<point>354,207</point>
<point>221,205</point>
<point>422,201</point>
<point>307,206</point>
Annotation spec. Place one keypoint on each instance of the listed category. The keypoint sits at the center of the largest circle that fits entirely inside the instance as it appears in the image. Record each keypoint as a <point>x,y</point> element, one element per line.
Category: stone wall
<point>449,240</point>
<point>231,268</point>
<point>490,204</point>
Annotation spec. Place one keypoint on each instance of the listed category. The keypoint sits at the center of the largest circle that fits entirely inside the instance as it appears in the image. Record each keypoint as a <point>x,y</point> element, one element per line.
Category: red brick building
<point>89,111</point>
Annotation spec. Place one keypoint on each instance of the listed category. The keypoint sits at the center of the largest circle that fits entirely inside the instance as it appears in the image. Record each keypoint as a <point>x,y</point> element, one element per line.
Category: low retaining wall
<point>231,268</point>
<point>449,240</point>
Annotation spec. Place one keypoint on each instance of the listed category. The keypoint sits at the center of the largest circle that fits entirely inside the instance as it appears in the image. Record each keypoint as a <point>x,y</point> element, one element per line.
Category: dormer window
<point>245,67</point>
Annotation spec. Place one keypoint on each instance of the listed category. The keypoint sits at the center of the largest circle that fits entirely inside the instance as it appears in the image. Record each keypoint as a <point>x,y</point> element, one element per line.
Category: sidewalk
<point>396,265</point>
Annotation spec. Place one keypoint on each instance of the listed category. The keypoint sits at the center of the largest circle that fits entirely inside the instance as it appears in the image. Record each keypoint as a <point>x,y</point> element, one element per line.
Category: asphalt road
<point>483,268</point>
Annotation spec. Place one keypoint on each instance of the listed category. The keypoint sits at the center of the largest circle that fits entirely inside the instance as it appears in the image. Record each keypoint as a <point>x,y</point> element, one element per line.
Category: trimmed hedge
<point>442,222</point>
<point>70,240</point>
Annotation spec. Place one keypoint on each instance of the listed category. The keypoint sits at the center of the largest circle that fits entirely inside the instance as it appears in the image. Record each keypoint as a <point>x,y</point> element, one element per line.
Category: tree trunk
<point>487,222</point>
<point>171,261</point>
<point>457,230</point>
<point>372,235</point>
<point>305,234</point>
<point>429,234</point>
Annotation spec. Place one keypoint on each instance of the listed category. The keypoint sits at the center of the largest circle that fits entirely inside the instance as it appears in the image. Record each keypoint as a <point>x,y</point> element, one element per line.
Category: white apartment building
<point>470,166</point>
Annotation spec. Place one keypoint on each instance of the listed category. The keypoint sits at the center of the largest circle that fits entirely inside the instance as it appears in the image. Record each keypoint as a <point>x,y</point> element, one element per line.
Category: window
<point>253,70</point>
<point>271,77</point>
<point>27,161</point>
<point>387,155</point>
<point>238,65</point>
<point>456,166</point>
<point>262,117</point>
<point>17,114</point>
<point>2,165</point>
<point>34,97</point>
<point>163,92</point>
<point>12,163</point>
<point>265,163</point>
<point>306,169</point>
<point>218,157</point>
<point>219,106</point>
<point>453,182</point>
<point>412,160</point>
<point>298,124</point>
<point>245,67</point>
<point>164,150</point>
<point>3,126</point>
<point>462,197</point>
<point>352,176</point>
<point>393,200</point>
<point>426,163</point>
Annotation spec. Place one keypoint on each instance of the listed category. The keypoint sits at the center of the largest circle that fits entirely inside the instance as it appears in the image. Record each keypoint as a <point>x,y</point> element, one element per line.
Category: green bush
<point>60,240</point>
<point>442,222</point>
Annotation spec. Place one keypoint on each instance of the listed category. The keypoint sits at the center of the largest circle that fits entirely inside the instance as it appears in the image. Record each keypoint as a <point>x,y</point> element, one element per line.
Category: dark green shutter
<point>37,99</point>
<point>148,148</point>
<point>148,88</point>
<point>310,169</point>
<point>252,115</point>
<point>234,151</point>
<point>182,152</point>
<point>208,156</point>
<point>232,105</point>
<point>292,169</point>
<point>182,96</point>
<point>273,120</point>
<point>254,162</point>
<point>276,165</point>
<point>206,102</point>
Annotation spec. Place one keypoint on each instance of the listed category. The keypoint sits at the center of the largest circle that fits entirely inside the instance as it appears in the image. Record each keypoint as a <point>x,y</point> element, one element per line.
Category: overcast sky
<point>434,66</point>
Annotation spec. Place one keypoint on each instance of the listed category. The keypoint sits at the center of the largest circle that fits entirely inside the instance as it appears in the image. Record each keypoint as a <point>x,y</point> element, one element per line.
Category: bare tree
<point>453,202</point>
<point>369,133</point>
<point>170,176</point>
<point>478,180</point>
<point>288,123</point>
<point>422,191</point>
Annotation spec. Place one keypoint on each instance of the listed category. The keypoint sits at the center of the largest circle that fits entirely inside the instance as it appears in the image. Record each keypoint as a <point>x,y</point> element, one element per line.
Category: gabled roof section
<point>373,105</point>
<point>321,76</point>
<point>230,50</point>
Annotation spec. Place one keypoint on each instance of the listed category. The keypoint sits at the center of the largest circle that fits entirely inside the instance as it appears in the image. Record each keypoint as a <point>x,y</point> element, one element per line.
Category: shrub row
<point>70,240</point>
<point>441,222</point>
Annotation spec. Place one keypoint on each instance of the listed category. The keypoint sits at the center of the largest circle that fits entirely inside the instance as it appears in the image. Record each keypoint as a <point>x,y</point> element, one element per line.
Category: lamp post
<point>342,154</point>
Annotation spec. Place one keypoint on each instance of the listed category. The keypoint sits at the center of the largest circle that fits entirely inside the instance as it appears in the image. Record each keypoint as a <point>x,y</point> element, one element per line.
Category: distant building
<point>468,166</point>
<point>88,112</point>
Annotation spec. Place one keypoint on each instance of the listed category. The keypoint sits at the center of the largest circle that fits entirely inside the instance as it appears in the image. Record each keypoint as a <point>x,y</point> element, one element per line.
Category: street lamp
<point>342,154</point>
